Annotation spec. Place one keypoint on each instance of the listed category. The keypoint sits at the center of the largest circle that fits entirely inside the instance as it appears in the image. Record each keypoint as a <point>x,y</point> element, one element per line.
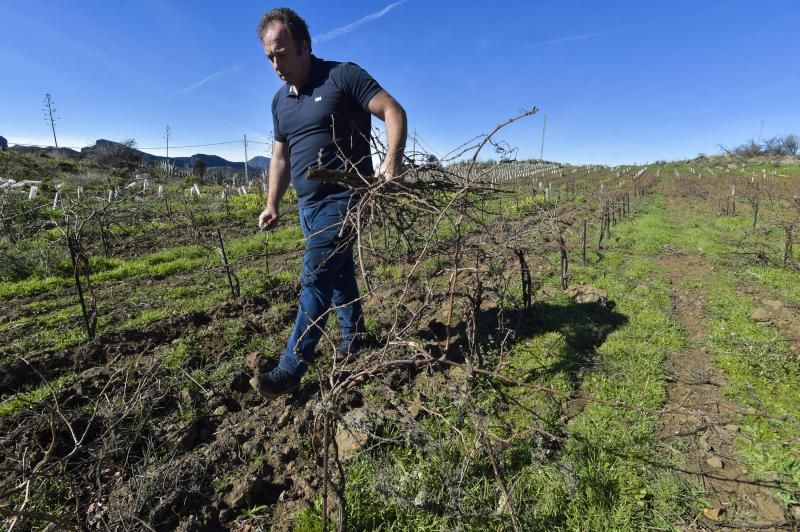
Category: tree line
<point>778,146</point>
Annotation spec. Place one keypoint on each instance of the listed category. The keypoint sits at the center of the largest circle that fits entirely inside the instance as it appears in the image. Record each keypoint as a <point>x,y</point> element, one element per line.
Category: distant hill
<point>259,162</point>
<point>66,152</point>
<point>255,165</point>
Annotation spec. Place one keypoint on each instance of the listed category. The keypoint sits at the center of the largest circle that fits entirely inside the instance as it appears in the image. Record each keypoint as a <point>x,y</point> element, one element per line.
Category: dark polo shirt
<point>326,122</point>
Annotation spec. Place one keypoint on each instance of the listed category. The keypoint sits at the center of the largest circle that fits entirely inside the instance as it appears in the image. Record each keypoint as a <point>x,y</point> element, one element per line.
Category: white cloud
<point>570,38</point>
<point>215,75</point>
<point>338,32</point>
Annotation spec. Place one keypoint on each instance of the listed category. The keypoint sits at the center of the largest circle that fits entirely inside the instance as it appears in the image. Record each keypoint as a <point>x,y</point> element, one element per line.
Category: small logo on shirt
<point>318,99</point>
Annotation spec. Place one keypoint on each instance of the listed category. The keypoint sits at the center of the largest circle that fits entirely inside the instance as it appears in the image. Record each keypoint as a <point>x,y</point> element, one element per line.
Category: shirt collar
<point>316,69</point>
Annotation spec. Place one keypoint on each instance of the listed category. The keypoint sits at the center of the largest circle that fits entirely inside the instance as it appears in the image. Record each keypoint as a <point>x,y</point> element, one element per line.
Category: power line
<point>195,145</point>
<point>425,144</point>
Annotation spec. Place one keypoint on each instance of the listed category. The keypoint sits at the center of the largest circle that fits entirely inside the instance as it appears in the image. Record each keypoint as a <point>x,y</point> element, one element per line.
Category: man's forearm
<point>396,132</point>
<point>278,182</point>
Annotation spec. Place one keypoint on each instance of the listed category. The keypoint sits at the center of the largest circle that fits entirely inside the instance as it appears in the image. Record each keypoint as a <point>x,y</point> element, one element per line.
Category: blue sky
<point>620,81</point>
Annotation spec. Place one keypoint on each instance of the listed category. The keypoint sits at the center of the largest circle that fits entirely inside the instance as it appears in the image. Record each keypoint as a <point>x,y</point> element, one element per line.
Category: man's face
<point>289,62</point>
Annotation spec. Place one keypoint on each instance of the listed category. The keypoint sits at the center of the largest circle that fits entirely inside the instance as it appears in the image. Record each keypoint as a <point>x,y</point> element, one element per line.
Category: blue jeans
<point>327,276</point>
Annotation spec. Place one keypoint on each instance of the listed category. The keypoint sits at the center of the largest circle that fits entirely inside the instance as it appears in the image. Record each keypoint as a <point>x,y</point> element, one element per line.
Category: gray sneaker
<point>275,383</point>
<point>348,350</point>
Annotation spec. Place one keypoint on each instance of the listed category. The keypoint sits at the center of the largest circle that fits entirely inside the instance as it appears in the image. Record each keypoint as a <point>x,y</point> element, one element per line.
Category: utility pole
<point>49,111</point>
<point>760,131</point>
<point>167,135</point>
<point>246,177</point>
<point>544,125</point>
<point>414,149</point>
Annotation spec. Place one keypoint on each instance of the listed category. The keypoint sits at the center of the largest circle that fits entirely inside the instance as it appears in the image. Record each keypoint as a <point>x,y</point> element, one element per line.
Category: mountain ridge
<point>254,164</point>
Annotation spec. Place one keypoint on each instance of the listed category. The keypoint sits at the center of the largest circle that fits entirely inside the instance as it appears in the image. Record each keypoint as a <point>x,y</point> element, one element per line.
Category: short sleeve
<point>277,134</point>
<point>357,82</point>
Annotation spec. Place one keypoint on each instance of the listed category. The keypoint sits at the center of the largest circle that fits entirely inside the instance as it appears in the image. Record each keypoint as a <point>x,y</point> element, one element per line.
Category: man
<point>321,115</point>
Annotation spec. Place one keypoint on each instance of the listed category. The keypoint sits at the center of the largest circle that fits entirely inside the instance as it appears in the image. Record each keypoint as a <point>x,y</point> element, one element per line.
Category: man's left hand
<point>388,170</point>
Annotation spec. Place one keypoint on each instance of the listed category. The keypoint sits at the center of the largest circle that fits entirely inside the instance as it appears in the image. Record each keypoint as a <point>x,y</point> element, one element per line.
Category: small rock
<point>715,462</point>
<point>352,434</point>
<point>761,315</point>
<point>730,427</point>
<point>586,294</point>
<point>414,408</point>
<point>91,382</point>
<point>349,442</point>
<point>227,515</point>
<point>189,397</point>
<point>288,453</point>
<point>256,362</point>
<point>772,477</point>
<point>284,417</point>
<point>772,304</point>
<point>251,448</point>
<point>796,512</point>
<point>304,487</point>
<point>703,442</point>
<point>246,491</point>
<point>715,513</point>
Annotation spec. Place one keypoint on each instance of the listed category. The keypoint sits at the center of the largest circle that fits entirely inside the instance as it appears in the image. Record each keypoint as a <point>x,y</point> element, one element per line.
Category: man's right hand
<point>268,219</point>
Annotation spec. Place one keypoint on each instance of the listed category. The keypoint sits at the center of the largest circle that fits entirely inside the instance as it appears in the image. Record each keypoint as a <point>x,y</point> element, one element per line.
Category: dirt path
<point>699,416</point>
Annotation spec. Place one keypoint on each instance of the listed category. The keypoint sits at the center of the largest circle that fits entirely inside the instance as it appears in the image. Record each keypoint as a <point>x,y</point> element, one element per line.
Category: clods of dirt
<point>583,294</point>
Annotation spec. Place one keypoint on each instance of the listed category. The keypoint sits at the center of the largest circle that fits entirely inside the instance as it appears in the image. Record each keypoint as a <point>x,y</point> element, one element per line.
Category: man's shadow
<point>583,326</point>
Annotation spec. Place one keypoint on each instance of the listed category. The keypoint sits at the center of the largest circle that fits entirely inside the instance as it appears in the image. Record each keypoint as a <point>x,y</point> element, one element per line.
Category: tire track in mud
<point>698,415</point>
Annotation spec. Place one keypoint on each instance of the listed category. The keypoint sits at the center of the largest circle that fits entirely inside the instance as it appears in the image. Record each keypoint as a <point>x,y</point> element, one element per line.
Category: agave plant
<point>165,169</point>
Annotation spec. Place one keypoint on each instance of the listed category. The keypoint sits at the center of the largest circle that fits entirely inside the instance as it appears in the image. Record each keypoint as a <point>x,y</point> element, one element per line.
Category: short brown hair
<point>297,27</point>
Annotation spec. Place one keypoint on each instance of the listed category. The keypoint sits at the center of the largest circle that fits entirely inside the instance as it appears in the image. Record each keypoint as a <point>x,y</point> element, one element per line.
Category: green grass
<point>610,447</point>
<point>11,290</point>
<point>388,271</point>
<point>148,316</point>
<point>12,405</point>
<point>784,283</point>
<point>762,377</point>
<point>160,264</point>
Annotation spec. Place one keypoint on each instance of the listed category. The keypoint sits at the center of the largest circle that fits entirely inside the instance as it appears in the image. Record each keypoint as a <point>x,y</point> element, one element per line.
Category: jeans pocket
<point>306,216</point>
